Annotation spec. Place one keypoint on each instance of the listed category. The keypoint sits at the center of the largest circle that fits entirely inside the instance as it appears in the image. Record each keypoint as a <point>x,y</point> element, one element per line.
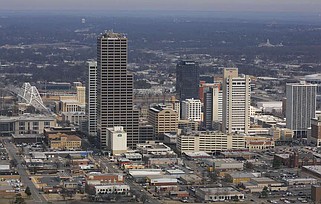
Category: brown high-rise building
<point>316,131</point>
<point>115,89</point>
<point>164,120</point>
<point>316,194</point>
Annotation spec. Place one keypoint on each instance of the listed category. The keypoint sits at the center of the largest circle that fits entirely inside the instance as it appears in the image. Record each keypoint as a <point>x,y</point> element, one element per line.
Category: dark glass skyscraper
<point>187,79</point>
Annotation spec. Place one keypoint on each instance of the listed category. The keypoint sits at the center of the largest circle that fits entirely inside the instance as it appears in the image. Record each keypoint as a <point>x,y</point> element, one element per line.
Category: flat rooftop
<point>197,154</point>
<point>242,175</point>
<point>242,153</point>
<point>175,171</point>
<point>315,169</point>
<point>144,172</point>
<point>27,117</point>
<point>50,181</point>
<point>22,136</point>
<point>283,156</point>
<point>300,179</point>
<point>67,152</point>
<point>112,35</point>
<point>224,190</point>
<point>228,160</point>
<point>152,145</point>
<point>103,174</point>
<point>264,180</point>
<point>64,137</point>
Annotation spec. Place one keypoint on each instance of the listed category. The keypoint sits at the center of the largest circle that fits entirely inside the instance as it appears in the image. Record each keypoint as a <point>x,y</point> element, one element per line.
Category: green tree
<point>276,164</point>
<point>235,198</point>
<point>19,199</point>
<point>27,191</point>
<point>213,176</point>
<point>228,179</point>
<point>264,192</point>
<point>142,84</point>
<point>249,165</point>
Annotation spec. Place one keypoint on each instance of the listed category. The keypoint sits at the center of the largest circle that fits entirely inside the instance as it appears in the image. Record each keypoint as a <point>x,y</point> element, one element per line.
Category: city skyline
<point>174,106</point>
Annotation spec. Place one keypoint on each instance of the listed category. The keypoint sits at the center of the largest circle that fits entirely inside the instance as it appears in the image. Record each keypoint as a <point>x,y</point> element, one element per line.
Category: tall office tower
<point>236,101</point>
<point>91,98</point>
<point>213,99</point>
<point>187,79</point>
<point>314,79</point>
<point>300,107</point>
<point>115,88</point>
<point>315,136</point>
<point>192,110</point>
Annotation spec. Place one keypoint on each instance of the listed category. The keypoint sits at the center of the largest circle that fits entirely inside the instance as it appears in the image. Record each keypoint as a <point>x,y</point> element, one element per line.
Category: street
<point>25,178</point>
<point>137,190</point>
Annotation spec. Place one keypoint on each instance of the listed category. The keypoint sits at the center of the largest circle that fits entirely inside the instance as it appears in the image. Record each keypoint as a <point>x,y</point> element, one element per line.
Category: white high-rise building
<point>91,98</point>
<point>192,110</point>
<point>300,107</point>
<point>236,101</point>
<point>117,140</point>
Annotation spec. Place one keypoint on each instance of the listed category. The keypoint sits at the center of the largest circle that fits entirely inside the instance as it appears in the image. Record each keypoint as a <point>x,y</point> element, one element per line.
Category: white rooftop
<point>316,169</point>
<point>144,172</point>
<point>175,171</point>
<point>197,154</point>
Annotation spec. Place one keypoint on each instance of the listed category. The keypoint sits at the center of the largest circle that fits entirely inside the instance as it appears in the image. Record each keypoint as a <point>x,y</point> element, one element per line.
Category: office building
<point>314,79</point>
<point>146,133</point>
<point>73,103</point>
<point>188,125</point>
<point>281,134</point>
<point>75,118</point>
<point>174,104</point>
<point>117,140</point>
<point>207,141</point>
<point>300,107</point>
<point>91,96</point>
<point>315,135</point>
<point>204,87</point>
<point>115,88</point>
<point>187,79</point>
<point>223,194</point>
<point>236,101</point>
<point>81,94</point>
<point>26,124</point>
<point>213,99</point>
<point>241,177</point>
<point>64,142</point>
<point>256,185</point>
<point>316,193</point>
<point>154,148</point>
<point>163,119</point>
<point>257,143</point>
<point>192,110</point>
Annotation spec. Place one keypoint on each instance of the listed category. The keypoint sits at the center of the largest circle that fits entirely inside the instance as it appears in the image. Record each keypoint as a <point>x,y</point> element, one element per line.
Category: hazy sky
<point>196,5</point>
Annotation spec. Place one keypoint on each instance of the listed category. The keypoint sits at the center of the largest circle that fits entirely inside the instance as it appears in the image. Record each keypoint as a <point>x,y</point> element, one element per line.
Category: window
<point>47,124</point>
